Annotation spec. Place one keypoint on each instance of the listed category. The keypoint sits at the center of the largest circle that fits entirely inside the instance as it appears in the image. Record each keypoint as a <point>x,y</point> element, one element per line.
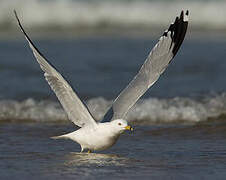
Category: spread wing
<point>155,64</point>
<point>77,112</point>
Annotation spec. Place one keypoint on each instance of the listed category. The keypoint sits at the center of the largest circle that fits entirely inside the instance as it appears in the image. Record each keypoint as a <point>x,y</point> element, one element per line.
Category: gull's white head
<point>120,125</point>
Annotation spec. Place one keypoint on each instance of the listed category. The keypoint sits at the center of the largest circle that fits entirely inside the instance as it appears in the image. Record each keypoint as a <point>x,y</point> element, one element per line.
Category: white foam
<point>146,111</point>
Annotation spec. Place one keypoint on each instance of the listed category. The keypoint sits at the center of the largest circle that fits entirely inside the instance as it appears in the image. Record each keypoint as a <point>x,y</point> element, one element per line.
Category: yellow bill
<point>129,128</point>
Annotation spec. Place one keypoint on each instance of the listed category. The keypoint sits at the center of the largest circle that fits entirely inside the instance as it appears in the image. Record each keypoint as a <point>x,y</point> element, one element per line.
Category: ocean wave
<point>77,15</point>
<point>146,111</point>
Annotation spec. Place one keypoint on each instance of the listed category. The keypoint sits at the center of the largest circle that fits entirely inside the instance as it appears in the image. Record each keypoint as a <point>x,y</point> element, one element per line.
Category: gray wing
<point>77,112</point>
<point>153,67</point>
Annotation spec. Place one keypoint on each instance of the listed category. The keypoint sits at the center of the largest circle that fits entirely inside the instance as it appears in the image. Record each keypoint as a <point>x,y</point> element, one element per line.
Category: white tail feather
<point>60,137</point>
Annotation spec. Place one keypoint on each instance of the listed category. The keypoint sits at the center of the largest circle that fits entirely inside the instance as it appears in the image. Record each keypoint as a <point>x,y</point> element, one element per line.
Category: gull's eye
<point>119,124</point>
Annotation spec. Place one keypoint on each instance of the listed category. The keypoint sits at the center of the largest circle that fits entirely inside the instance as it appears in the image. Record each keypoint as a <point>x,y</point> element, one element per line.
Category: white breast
<point>98,138</point>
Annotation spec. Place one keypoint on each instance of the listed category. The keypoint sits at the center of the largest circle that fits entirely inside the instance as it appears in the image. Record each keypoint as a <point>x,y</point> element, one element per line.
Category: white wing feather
<point>77,112</point>
<point>153,67</point>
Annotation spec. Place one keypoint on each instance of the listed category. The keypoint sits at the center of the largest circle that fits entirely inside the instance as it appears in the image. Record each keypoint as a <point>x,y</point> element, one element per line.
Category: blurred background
<point>75,17</point>
<point>99,45</point>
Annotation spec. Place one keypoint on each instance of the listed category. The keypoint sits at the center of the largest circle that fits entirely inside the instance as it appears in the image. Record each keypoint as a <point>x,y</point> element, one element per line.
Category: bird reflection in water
<point>93,159</point>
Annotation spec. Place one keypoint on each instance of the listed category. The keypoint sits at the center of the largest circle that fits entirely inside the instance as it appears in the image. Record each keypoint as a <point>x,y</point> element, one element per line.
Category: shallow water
<point>152,152</point>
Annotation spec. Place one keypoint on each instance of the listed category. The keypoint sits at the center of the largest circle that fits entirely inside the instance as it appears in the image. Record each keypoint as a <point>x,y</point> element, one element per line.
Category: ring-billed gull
<point>94,135</point>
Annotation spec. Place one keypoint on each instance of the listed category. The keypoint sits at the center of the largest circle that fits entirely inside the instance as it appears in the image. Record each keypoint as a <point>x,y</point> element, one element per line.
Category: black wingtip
<point>165,33</point>
<point>28,38</point>
<point>187,13</point>
<point>179,30</point>
<point>15,13</point>
<point>18,20</point>
<point>182,14</point>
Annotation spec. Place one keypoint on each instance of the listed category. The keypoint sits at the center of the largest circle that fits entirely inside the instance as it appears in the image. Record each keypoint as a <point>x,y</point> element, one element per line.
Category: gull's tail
<point>60,137</point>
<point>65,136</point>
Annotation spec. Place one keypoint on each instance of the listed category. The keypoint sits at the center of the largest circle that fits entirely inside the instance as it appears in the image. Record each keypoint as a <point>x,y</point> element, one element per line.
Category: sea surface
<point>180,123</point>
